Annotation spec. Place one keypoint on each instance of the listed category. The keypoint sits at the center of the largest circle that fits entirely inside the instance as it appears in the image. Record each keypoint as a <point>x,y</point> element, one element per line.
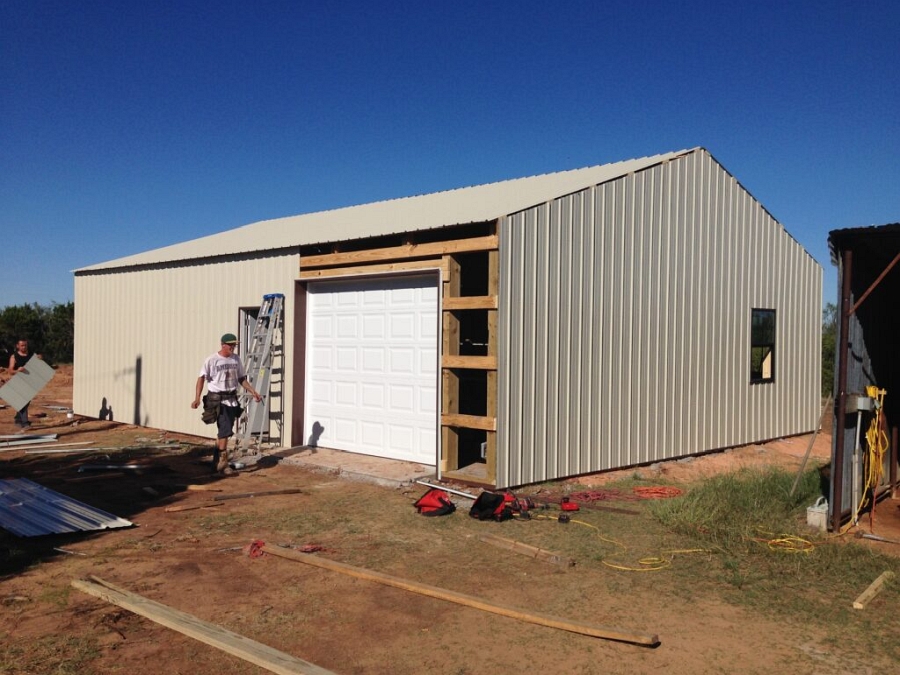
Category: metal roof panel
<point>461,206</point>
<point>28,509</point>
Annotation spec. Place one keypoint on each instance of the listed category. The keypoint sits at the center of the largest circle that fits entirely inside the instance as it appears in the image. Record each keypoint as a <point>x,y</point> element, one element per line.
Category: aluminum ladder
<point>254,422</point>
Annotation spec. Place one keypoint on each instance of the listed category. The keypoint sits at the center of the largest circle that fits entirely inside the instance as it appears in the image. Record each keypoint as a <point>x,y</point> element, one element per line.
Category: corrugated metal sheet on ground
<point>29,510</point>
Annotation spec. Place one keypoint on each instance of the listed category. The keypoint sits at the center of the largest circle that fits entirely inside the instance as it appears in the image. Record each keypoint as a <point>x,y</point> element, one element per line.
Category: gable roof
<point>476,204</point>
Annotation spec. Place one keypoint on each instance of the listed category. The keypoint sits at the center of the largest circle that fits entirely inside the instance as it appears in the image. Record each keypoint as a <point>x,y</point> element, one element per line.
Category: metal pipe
<point>854,489</point>
<point>837,463</point>
<point>446,489</point>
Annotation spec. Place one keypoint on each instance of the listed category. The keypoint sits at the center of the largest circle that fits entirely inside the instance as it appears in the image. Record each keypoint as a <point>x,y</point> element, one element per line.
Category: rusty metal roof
<point>29,510</point>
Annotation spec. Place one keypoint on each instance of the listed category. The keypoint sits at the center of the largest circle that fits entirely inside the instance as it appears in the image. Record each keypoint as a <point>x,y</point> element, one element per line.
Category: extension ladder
<point>258,367</point>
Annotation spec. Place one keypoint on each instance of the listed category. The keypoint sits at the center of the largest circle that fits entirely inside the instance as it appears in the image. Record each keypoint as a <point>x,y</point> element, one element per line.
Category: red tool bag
<point>435,502</point>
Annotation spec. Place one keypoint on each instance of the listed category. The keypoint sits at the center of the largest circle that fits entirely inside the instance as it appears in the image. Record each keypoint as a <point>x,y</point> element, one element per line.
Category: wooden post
<point>491,437</point>
<point>449,379</point>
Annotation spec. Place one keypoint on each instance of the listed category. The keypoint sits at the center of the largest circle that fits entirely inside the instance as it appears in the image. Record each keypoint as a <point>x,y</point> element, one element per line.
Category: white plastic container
<point>817,515</point>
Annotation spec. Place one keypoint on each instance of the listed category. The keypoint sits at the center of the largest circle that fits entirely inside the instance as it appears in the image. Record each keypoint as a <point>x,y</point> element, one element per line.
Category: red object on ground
<point>567,505</point>
<point>255,548</point>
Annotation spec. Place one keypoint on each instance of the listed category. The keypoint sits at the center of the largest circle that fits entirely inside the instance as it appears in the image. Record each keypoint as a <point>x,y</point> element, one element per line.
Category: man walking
<point>223,373</point>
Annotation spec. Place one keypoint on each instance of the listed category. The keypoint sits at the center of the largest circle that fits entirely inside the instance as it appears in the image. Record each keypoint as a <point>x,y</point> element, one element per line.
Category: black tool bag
<point>491,506</point>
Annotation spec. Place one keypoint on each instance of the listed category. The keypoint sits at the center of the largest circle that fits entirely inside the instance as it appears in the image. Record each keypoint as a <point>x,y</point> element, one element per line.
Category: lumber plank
<point>527,549</point>
<point>191,507</point>
<point>466,600</point>
<point>400,252</point>
<point>470,302</point>
<point>264,493</point>
<point>469,422</point>
<point>204,631</point>
<point>873,590</point>
<point>473,362</point>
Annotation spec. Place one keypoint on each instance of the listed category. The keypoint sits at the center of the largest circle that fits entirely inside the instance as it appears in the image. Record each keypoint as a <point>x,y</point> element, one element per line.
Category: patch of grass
<point>56,595</point>
<point>734,511</point>
<point>771,560</point>
<point>59,655</point>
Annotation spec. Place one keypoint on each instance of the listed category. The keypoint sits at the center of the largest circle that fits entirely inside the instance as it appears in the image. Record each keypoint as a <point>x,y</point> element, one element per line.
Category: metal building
<point>507,333</point>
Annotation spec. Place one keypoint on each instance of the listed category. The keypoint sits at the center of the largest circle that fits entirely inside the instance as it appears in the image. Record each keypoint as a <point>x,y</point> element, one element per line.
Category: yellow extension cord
<point>877,442</point>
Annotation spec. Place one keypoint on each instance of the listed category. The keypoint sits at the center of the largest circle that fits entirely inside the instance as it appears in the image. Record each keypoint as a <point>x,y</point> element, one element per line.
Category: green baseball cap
<point>229,339</point>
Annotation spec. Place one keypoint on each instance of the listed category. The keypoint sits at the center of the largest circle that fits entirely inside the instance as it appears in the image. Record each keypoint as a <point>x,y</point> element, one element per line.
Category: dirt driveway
<point>195,561</point>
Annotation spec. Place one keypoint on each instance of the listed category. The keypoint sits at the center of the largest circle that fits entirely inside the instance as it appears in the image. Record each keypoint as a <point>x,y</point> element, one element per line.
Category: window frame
<point>762,345</point>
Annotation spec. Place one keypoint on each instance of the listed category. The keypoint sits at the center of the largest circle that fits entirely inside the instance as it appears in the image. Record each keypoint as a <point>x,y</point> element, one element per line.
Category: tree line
<point>50,331</point>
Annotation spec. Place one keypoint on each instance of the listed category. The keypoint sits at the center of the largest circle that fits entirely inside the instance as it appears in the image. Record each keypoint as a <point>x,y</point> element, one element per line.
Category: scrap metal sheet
<point>24,386</point>
<point>28,510</point>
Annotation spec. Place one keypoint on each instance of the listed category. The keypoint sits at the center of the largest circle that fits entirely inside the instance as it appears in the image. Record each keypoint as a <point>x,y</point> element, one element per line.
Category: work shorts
<point>227,415</point>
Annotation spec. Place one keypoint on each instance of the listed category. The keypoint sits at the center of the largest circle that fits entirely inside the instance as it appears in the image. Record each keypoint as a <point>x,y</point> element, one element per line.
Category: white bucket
<point>817,515</point>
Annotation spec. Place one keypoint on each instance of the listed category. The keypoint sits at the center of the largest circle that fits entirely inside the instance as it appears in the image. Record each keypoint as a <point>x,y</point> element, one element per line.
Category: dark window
<point>762,345</point>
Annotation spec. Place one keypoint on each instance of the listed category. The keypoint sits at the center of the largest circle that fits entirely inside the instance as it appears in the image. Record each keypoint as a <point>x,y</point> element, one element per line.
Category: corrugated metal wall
<point>624,324</point>
<point>141,336</point>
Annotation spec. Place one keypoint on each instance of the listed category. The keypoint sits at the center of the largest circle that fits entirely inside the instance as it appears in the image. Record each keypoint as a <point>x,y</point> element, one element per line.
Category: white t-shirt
<point>223,373</point>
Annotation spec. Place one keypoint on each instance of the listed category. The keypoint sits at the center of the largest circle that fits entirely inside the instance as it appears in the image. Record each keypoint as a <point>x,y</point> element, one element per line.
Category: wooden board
<point>873,590</point>
<point>400,252</point>
<point>208,633</point>
<point>467,600</point>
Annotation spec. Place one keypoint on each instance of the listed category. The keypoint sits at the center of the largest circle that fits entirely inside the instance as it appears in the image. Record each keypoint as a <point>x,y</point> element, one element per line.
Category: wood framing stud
<point>471,302</point>
<point>469,422</point>
<point>472,362</point>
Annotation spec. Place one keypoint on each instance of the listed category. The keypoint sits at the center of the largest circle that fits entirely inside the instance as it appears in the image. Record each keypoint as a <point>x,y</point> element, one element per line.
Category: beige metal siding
<point>625,318</point>
<point>141,336</point>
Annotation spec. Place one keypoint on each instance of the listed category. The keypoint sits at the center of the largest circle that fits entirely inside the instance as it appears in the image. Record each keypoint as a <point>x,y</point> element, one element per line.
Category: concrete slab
<point>351,465</point>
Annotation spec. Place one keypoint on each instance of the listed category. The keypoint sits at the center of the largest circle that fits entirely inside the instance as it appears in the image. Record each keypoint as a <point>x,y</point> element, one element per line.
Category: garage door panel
<point>372,395</point>
<point>427,401</point>
<point>402,361</point>
<point>345,393</point>
<point>347,327</point>
<point>346,359</point>
<point>401,437</point>
<point>374,365</point>
<point>373,360</point>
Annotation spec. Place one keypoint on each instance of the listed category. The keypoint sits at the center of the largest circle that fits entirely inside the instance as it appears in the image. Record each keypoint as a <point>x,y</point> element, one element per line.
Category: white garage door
<point>372,368</point>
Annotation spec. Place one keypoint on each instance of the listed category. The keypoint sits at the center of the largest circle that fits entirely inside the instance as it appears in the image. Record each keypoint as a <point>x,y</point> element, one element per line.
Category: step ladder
<point>258,359</point>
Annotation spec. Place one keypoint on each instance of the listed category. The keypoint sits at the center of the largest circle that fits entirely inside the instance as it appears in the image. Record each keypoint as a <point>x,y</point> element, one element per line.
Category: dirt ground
<point>196,561</point>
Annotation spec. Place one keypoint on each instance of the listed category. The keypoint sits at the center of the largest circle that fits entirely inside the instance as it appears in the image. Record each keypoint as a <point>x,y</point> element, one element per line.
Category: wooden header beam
<point>436,248</point>
<point>362,270</point>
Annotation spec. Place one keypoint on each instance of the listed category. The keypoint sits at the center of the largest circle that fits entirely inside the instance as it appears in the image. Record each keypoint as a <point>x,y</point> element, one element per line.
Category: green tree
<point>50,331</point>
<point>829,347</point>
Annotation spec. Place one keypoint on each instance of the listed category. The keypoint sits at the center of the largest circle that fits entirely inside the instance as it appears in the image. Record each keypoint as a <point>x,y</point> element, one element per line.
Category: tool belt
<point>217,397</point>
<point>211,403</point>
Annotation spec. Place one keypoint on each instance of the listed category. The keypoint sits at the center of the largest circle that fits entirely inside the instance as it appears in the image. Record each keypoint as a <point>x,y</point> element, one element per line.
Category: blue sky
<point>126,126</point>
